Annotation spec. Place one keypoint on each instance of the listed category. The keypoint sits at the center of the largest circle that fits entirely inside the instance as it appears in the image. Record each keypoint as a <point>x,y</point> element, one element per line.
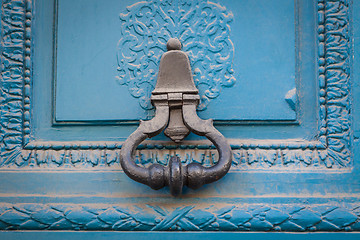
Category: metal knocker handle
<point>175,98</point>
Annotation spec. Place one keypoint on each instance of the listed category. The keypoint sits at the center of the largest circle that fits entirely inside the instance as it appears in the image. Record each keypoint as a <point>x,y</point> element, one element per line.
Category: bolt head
<point>173,44</point>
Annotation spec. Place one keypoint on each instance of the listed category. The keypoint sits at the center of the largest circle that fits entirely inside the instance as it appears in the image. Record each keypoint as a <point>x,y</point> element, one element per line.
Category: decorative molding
<point>150,217</point>
<point>331,150</point>
<point>334,80</point>
<point>243,158</point>
<point>16,77</point>
<point>203,27</point>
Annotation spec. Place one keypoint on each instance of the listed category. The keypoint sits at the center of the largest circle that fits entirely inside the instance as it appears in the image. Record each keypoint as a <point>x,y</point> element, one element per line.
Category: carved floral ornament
<point>203,28</point>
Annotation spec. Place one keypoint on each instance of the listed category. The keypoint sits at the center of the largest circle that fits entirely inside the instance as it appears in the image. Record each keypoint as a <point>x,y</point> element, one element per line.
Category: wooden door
<point>278,77</point>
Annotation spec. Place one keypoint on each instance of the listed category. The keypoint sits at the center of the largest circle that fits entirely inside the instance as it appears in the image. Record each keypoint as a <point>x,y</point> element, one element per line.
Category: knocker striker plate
<point>175,98</point>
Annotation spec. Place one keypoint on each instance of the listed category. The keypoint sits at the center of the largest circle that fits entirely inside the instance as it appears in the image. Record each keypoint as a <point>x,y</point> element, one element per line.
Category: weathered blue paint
<point>263,67</point>
<point>306,115</point>
<point>303,176</point>
<point>310,137</point>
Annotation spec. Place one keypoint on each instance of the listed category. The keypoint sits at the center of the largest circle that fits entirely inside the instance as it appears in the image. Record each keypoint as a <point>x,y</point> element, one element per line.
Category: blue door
<point>279,78</point>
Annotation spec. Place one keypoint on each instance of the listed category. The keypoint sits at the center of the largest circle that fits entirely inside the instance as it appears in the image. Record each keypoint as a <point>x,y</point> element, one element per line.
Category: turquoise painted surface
<point>244,56</point>
<point>306,110</point>
<point>70,186</point>
<point>169,236</point>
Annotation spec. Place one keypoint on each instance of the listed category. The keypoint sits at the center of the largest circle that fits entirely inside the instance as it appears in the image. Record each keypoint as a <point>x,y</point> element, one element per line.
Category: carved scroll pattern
<point>245,217</point>
<point>202,27</point>
<point>332,150</point>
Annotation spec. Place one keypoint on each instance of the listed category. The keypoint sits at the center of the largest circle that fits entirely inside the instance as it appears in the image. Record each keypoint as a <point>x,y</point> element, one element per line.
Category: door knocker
<point>175,98</point>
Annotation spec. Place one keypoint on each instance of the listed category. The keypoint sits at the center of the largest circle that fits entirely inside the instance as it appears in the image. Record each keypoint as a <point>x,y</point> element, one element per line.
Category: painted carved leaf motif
<point>203,27</point>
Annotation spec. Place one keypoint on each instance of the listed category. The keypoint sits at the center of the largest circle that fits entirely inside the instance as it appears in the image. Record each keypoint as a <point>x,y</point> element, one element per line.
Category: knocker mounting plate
<point>175,98</point>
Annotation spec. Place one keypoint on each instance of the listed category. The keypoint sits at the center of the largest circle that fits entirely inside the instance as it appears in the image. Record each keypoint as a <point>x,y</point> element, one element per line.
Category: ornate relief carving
<point>245,217</point>
<point>15,75</point>
<point>334,80</point>
<point>203,28</point>
<point>245,157</point>
<point>332,150</point>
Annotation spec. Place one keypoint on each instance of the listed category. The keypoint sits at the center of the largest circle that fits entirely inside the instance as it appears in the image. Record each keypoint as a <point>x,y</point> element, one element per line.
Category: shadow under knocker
<point>175,98</point>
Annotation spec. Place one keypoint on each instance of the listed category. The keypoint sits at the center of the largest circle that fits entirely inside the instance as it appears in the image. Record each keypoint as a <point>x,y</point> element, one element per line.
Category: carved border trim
<point>334,80</point>
<point>331,151</point>
<point>149,217</point>
<point>321,70</point>
<point>16,77</point>
<point>27,72</point>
